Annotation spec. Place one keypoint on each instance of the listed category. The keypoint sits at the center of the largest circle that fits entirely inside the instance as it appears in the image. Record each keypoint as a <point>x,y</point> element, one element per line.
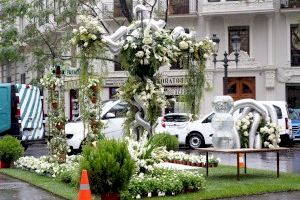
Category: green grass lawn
<point>221,183</point>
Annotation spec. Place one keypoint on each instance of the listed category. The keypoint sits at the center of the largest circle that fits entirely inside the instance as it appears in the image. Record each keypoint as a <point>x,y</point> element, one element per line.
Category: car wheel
<point>195,140</point>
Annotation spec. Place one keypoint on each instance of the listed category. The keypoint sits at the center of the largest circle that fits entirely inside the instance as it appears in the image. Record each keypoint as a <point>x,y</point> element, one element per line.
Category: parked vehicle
<point>198,133</point>
<point>284,121</point>
<point>294,114</point>
<point>112,115</point>
<point>193,133</point>
<point>21,112</point>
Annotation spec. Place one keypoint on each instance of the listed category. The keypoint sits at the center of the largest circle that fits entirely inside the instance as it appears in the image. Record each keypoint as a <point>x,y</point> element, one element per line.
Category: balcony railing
<point>212,7</point>
<point>176,7</point>
<point>289,4</point>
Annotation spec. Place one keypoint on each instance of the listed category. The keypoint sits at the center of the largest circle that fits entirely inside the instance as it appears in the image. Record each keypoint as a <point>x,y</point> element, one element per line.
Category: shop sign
<point>72,71</point>
<point>165,81</point>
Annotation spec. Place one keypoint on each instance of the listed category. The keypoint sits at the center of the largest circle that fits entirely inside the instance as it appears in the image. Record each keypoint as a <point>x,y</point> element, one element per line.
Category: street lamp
<point>236,45</point>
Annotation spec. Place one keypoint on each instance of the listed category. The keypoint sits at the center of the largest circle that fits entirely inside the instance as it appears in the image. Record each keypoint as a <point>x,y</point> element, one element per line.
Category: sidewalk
<point>14,189</point>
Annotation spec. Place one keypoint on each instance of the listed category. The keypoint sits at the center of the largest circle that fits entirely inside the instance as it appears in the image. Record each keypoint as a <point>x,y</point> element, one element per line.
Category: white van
<point>284,121</point>
<point>112,115</point>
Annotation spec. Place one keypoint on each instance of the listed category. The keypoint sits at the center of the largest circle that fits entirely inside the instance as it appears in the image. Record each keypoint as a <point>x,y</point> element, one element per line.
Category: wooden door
<point>241,87</point>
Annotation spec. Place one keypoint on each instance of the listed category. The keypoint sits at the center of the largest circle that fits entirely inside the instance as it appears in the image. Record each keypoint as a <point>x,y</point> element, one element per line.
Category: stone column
<point>270,39</point>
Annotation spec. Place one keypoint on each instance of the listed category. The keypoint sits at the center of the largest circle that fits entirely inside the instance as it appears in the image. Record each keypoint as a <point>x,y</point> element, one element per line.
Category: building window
<point>295,45</point>
<point>175,65</point>
<point>179,7</point>
<point>23,78</point>
<point>8,79</point>
<point>243,32</point>
<point>117,65</point>
<point>112,92</point>
<point>118,9</point>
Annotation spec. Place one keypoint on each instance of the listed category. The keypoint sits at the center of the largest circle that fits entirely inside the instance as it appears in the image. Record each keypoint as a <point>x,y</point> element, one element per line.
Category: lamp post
<point>236,45</point>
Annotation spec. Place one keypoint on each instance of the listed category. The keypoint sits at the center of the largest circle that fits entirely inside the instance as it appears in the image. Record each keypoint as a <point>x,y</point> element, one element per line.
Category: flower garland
<point>50,81</point>
<point>57,144</point>
<point>243,127</point>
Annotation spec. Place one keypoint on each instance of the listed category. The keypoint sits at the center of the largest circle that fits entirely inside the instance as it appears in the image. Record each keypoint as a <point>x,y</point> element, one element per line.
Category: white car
<point>198,133</point>
<point>112,116</point>
<point>193,133</point>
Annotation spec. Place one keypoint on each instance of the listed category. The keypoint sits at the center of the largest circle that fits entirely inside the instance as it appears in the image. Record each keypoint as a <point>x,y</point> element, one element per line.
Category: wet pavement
<point>270,196</point>
<point>37,150</point>
<point>289,160</point>
<point>14,189</point>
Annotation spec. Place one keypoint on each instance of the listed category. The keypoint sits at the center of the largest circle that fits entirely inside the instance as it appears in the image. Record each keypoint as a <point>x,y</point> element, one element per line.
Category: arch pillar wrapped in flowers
<point>148,46</point>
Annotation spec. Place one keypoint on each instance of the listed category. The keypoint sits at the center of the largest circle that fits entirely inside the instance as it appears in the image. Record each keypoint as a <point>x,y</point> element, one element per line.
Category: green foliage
<point>10,149</point>
<point>164,139</point>
<point>109,166</point>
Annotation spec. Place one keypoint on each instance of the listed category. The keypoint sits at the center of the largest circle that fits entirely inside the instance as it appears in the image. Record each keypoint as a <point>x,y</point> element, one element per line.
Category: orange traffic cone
<point>84,192</point>
<point>241,163</point>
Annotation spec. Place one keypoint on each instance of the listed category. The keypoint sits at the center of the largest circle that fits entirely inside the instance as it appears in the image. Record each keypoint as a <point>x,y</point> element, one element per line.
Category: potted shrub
<point>10,150</point>
<point>109,167</point>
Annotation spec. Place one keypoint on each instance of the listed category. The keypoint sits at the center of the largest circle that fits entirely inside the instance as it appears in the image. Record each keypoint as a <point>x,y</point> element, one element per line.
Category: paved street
<point>13,189</point>
<point>289,161</point>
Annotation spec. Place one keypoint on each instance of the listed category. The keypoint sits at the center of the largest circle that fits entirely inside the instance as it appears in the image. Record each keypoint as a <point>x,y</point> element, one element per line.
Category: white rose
<point>140,54</point>
<point>246,133</point>
<point>75,31</point>
<point>85,44</point>
<point>272,130</point>
<point>271,146</point>
<point>125,46</point>
<point>245,127</point>
<point>266,144</point>
<point>183,45</point>
<point>278,140</point>
<point>82,30</point>
<point>93,36</point>
<point>244,120</point>
<point>147,40</point>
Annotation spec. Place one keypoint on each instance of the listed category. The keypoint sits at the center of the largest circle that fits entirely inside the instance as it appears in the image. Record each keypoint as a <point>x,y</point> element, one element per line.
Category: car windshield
<point>293,115</point>
<point>177,118</point>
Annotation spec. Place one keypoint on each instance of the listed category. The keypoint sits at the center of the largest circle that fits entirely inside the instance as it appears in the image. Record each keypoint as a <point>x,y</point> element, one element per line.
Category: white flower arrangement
<point>144,46</point>
<point>186,45</point>
<point>270,134</point>
<point>140,152</point>
<point>47,165</point>
<point>50,81</point>
<point>88,33</point>
<point>152,93</point>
